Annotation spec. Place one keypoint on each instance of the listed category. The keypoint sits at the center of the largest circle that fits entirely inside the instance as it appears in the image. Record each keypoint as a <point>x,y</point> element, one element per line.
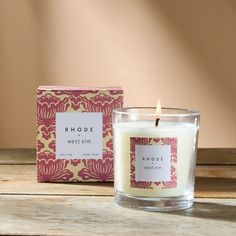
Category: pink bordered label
<point>153,163</point>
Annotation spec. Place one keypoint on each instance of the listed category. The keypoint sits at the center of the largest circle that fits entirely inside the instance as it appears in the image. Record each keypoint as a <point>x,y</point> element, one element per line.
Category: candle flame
<point>158,107</point>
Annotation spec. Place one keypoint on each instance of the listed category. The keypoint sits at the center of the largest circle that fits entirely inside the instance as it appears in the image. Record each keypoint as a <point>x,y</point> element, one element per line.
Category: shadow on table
<point>212,211</point>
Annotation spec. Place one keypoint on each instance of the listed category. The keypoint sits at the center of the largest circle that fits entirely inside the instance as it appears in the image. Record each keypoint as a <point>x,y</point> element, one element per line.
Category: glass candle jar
<point>155,157</point>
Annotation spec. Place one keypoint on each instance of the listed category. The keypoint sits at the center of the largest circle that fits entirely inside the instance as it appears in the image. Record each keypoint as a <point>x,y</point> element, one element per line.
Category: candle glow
<point>158,107</point>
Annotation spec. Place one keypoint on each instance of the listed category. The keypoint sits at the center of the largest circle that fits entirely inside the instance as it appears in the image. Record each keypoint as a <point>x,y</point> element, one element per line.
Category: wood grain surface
<point>31,208</point>
<point>213,156</point>
<point>60,215</point>
<point>17,156</point>
<point>21,179</point>
<point>216,156</point>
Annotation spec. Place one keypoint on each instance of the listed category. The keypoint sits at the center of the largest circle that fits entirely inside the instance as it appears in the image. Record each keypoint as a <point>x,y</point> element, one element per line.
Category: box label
<point>152,163</point>
<point>79,135</point>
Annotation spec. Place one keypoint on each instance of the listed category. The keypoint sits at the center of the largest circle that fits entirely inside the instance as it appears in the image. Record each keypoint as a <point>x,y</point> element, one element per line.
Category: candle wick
<point>157,121</point>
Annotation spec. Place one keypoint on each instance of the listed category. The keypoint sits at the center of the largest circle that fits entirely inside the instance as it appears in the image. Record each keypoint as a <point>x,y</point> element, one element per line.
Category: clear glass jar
<point>155,157</point>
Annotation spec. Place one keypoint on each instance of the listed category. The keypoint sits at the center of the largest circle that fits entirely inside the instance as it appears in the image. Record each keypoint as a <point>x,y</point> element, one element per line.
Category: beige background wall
<point>181,51</point>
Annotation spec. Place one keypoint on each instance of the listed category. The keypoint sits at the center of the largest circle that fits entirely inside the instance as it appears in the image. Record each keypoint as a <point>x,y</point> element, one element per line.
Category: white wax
<point>186,135</point>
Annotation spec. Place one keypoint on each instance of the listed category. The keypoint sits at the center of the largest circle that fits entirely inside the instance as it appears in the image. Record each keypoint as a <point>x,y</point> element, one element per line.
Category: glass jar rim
<point>166,111</point>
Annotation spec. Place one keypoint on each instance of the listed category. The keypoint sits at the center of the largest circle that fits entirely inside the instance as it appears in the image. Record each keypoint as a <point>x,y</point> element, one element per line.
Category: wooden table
<point>31,208</point>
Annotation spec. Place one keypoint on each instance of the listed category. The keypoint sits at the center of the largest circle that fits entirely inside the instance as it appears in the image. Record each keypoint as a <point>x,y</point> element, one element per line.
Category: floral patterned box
<point>74,133</point>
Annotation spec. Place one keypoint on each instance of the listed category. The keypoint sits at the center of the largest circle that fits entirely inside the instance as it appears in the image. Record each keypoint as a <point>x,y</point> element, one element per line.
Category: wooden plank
<point>21,179</point>
<point>215,187</point>
<point>74,189</point>
<point>60,215</point>
<point>216,171</point>
<point>17,156</point>
<point>28,172</point>
<point>205,156</point>
<point>216,156</point>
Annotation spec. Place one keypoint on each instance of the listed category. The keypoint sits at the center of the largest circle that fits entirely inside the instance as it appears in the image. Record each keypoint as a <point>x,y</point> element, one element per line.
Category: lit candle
<point>155,153</point>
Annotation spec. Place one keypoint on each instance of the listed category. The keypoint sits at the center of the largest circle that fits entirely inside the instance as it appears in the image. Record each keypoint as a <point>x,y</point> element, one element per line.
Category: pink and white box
<point>74,133</point>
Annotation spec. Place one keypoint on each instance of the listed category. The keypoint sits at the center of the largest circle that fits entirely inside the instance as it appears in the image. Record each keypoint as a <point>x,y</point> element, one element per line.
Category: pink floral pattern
<point>51,100</point>
<point>77,102</point>
<point>52,145</point>
<point>153,141</point>
<point>47,107</point>
<point>109,144</point>
<point>75,162</point>
<point>106,104</point>
<point>53,170</point>
<point>39,146</point>
<point>98,169</point>
<point>46,156</point>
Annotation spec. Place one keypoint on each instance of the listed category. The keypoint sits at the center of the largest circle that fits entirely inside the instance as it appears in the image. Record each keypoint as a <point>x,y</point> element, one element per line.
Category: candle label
<point>79,135</point>
<point>153,162</point>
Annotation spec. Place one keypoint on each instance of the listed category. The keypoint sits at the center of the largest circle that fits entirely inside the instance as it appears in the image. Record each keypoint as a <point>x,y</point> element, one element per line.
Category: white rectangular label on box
<point>79,135</point>
<point>152,163</point>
